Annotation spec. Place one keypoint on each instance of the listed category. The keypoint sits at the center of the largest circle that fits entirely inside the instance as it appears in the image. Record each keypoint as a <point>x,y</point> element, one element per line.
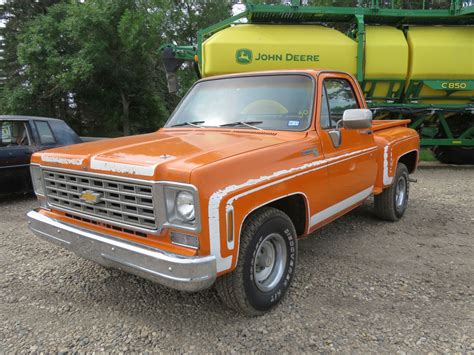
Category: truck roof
<point>312,72</point>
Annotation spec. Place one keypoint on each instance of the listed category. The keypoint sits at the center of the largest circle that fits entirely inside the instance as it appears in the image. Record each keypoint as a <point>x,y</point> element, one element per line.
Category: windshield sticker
<point>303,114</point>
<point>293,123</point>
<point>6,134</point>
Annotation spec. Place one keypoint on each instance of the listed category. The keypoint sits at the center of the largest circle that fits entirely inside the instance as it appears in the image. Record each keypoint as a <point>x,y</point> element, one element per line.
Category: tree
<point>14,17</point>
<point>186,19</point>
<point>96,64</point>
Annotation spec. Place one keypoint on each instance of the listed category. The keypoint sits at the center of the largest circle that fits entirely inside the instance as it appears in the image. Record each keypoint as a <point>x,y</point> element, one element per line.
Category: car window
<point>341,97</point>
<point>45,134</point>
<point>14,133</point>
<point>324,116</point>
<point>277,102</point>
<point>63,133</point>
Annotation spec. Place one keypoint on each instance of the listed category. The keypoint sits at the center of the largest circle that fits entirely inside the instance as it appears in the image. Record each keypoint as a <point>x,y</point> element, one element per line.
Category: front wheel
<point>266,263</point>
<point>391,204</point>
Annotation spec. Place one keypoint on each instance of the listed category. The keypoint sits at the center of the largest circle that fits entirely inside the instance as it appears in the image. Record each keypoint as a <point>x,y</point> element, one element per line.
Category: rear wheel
<point>266,263</point>
<point>454,155</point>
<point>391,204</point>
<point>459,125</point>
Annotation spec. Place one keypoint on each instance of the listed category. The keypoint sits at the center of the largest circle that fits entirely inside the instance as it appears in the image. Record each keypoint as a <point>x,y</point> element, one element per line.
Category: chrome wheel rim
<point>400,192</point>
<point>270,262</point>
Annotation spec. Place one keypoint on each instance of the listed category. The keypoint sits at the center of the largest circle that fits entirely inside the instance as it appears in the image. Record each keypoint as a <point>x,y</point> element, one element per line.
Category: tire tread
<point>230,286</point>
<point>383,203</point>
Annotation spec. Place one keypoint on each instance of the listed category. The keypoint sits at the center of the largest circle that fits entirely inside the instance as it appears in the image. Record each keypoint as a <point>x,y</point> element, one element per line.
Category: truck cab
<point>246,165</point>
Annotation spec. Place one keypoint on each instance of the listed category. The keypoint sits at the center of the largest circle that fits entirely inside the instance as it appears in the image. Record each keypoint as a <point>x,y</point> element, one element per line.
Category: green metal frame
<point>456,14</point>
<point>432,122</point>
<point>414,91</point>
<point>441,128</point>
<point>401,95</point>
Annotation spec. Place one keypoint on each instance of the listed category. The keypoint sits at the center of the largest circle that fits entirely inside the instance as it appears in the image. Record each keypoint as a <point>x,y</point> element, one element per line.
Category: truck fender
<point>238,228</point>
<point>409,158</point>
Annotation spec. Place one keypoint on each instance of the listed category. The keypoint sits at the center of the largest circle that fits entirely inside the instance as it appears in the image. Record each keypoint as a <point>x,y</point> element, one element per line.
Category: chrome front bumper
<point>175,271</point>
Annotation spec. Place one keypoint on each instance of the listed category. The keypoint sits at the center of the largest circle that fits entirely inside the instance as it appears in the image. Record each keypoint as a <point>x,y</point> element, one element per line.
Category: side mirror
<point>357,119</point>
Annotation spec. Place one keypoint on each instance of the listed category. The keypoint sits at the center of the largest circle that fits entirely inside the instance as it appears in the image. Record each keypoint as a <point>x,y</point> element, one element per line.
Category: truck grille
<point>128,203</point>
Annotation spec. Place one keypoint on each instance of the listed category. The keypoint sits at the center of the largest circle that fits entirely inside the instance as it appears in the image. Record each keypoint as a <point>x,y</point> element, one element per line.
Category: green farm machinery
<point>413,59</point>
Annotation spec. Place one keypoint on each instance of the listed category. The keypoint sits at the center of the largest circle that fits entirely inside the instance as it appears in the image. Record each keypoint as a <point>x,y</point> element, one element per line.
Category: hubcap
<point>400,192</point>
<point>270,262</point>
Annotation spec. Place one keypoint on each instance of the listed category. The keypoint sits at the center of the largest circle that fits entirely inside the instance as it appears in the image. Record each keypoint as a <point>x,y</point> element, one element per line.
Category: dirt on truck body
<point>246,165</point>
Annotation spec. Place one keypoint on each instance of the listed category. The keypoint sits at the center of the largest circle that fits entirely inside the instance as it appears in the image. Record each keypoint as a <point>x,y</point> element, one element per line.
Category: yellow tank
<point>244,48</point>
<point>386,56</point>
<point>386,53</point>
<point>425,53</point>
<point>439,53</point>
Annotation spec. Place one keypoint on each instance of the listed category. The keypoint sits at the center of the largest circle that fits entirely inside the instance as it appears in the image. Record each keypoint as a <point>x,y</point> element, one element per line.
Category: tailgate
<point>378,125</point>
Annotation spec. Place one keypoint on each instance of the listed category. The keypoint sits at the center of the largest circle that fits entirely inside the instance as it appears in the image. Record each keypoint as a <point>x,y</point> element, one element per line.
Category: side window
<point>63,133</point>
<point>45,133</point>
<point>324,116</point>
<point>14,133</point>
<point>341,97</point>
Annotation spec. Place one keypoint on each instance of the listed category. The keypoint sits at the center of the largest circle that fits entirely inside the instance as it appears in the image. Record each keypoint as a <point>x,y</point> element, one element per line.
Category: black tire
<point>389,205</point>
<point>455,155</point>
<point>241,290</point>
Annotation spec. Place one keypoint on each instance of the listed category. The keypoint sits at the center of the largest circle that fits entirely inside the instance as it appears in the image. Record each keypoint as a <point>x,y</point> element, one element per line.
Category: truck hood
<point>169,154</point>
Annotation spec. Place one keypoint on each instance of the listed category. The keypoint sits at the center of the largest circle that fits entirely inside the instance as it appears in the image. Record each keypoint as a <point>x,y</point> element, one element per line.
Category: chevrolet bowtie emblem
<point>90,197</point>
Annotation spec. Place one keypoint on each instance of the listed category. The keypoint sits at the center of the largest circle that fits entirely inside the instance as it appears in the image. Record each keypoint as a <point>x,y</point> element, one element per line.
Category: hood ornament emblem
<point>90,197</point>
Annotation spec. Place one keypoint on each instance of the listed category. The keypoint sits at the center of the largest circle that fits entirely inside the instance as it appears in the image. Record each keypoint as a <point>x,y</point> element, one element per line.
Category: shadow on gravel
<point>118,290</point>
<point>16,197</point>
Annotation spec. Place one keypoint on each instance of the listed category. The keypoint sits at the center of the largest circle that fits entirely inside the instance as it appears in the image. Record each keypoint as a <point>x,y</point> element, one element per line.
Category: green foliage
<point>426,154</point>
<point>17,15</point>
<point>187,17</point>
<point>95,63</point>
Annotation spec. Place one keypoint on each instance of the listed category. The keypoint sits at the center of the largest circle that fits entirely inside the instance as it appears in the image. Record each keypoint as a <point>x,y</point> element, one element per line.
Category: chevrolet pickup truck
<point>246,165</point>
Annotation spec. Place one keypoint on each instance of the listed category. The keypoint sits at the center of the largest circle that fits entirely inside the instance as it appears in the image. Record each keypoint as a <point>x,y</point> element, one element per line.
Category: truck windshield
<point>276,102</point>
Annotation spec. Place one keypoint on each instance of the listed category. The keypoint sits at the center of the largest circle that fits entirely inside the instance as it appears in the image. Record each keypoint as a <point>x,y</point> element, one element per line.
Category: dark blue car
<point>20,137</point>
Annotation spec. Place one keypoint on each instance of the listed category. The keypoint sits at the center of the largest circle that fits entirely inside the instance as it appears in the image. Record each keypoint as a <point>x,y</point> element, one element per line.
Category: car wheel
<point>391,204</point>
<point>266,263</point>
<point>455,155</point>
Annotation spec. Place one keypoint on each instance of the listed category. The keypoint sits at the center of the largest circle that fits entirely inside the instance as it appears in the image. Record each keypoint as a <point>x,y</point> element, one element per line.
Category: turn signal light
<point>185,240</point>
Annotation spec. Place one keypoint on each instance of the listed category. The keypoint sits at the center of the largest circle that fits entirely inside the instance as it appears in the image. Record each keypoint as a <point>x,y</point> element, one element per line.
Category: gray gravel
<point>361,285</point>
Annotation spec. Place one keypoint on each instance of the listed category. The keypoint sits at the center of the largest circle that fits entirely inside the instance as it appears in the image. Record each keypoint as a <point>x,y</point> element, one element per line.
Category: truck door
<point>351,159</point>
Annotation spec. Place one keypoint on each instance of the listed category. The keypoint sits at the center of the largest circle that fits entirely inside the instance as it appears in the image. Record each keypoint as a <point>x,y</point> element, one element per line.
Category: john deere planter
<point>411,63</point>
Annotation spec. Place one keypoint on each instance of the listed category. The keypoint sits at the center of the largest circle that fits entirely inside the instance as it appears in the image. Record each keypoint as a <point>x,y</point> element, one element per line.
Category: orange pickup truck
<point>246,165</point>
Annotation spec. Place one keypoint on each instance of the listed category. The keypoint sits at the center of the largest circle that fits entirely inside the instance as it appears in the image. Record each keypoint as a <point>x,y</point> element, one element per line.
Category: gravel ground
<point>362,285</point>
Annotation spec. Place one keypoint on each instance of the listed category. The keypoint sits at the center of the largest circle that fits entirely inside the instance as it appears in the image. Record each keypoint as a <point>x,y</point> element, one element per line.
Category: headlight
<point>182,207</point>
<point>185,205</point>
<point>37,179</point>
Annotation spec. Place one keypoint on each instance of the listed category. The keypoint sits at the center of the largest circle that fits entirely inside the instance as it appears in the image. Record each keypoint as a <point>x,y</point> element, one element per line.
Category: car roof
<point>24,118</point>
<point>313,72</point>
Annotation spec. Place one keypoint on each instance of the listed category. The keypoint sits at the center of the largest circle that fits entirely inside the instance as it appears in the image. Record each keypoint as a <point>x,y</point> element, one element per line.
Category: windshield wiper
<point>189,123</point>
<point>242,123</point>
